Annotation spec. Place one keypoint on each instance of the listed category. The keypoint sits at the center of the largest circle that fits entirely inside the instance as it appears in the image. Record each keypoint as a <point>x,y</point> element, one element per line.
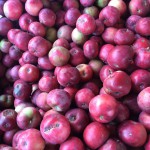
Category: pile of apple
<point>74,74</point>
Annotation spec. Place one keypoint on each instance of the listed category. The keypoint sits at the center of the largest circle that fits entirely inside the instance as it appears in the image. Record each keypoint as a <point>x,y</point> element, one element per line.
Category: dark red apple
<point>47,17</point>
<point>8,119</point>
<point>78,119</point>
<point>132,133</point>
<point>83,98</point>
<point>103,108</point>
<point>72,143</point>
<point>29,73</point>
<point>117,84</point>
<point>94,131</point>
<point>68,76</point>
<point>109,15</point>
<point>52,126</point>
<point>25,142</point>
<point>59,100</point>
<point>86,24</point>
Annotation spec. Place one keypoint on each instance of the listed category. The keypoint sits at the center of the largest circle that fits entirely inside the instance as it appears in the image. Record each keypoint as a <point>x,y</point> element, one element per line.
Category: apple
<point>142,100</point>
<point>120,87</point>
<point>47,13</point>
<point>33,7</point>
<point>109,15</point>
<point>132,133</point>
<point>83,98</point>
<point>25,20</point>
<point>52,126</point>
<point>28,117</point>
<point>86,24</point>
<point>94,131</point>
<point>38,46</point>
<point>71,16</point>
<point>13,9</point>
<point>68,76</point>
<point>72,143</point>
<point>103,108</point>
<point>59,55</point>
<point>59,100</point>
<point>139,7</point>
<point>5,26</point>
<point>8,119</point>
<point>25,142</point>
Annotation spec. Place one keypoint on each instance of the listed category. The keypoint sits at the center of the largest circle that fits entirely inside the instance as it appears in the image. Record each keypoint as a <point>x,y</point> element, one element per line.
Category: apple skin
<point>71,16</point>
<point>109,12</point>
<point>46,84</point>
<point>86,72</point>
<point>141,27</point>
<point>103,108</point>
<point>144,119</point>
<point>25,142</point>
<point>33,7</point>
<point>68,76</point>
<point>140,8</point>
<point>78,37</point>
<point>61,42</point>
<point>105,71</point>
<point>11,35</point>
<point>131,22</point>
<point>104,51</point>
<point>121,34</point>
<point>72,143</point>
<point>29,73</point>
<point>5,44</point>
<point>130,101</point>
<point>88,53</point>
<point>52,126</point>
<point>67,4</point>
<point>142,100</point>
<point>13,9</point>
<point>83,98</point>
<point>109,34</point>
<point>6,25</point>
<point>41,101</point>
<point>140,80</point>
<point>142,57</point>
<point>113,144</point>
<point>59,100</point>
<point>78,119</point>
<point>25,20</point>
<point>76,56</point>
<point>147,145</point>
<point>47,13</point>
<point>37,29</point>
<point>8,136</point>
<point>115,79</point>
<point>22,39</point>
<point>119,4</point>
<point>8,119</point>
<point>28,117</point>
<point>86,24</point>
<point>132,133</point>
<point>120,57</point>
<point>94,131</point>
<point>38,46</point>
<point>123,112</point>
<point>59,56</point>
